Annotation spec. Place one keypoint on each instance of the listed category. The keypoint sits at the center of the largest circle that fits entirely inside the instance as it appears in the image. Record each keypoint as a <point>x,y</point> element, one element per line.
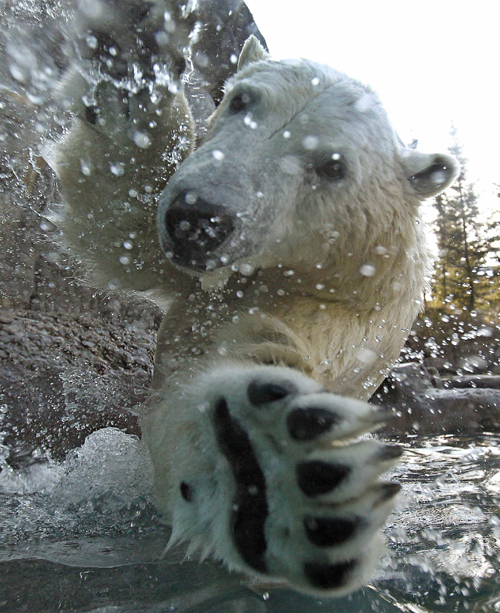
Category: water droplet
<point>218,155</point>
<point>117,168</point>
<point>17,73</point>
<point>142,139</point>
<point>310,142</point>
<point>364,103</point>
<point>124,259</point>
<point>367,270</point>
<point>190,198</point>
<point>247,269</point>
<point>315,81</point>
<point>203,406</point>
<point>287,134</point>
<point>91,8</point>
<point>85,168</point>
<point>222,348</point>
<point>128,245</point>
<point>91,42</point>
<point>320,286</point>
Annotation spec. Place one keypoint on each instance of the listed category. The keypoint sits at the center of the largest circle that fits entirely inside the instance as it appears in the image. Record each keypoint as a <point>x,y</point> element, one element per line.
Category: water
<point>82,535</point>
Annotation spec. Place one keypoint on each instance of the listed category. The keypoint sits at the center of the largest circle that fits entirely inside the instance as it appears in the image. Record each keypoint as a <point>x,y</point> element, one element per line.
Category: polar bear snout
<point>194,229</point>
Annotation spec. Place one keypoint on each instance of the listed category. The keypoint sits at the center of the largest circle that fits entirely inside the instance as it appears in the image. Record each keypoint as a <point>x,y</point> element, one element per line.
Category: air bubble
<point>287,134</point>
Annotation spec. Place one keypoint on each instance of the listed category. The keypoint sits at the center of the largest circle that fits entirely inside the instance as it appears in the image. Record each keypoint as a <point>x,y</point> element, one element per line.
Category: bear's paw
<point>292,492</point>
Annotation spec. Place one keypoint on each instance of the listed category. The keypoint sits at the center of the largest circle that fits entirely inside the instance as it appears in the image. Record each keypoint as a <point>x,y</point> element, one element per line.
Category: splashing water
<point>86,529</point>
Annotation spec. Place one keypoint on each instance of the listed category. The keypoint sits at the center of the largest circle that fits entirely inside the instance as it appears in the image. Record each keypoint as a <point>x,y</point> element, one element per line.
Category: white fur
<point>317,287</point>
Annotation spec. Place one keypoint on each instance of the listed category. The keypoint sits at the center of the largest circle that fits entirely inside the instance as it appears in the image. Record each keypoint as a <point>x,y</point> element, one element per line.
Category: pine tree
<point>459,277</point>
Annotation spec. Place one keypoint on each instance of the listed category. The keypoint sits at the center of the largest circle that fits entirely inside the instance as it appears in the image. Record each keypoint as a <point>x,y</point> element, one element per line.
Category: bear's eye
<point>239,102</point>
<point>333,170</point>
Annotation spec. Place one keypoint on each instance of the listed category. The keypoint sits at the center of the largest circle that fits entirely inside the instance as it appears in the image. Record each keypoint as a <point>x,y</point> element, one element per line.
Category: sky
<point>433,64</point>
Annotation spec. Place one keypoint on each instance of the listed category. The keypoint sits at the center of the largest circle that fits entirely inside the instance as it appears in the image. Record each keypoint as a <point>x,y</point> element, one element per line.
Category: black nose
<point>197,229</point>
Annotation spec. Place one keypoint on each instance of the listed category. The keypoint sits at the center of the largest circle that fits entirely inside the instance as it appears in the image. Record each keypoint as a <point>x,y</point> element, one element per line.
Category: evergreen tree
<point>460,274</point>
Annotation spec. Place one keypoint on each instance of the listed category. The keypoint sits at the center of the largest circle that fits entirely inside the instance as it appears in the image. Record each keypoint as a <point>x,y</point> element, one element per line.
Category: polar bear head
<point>300,162</point>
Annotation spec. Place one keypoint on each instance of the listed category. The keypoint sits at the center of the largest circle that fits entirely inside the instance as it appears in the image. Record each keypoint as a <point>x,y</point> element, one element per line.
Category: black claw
<point>382,414</point>
<point>330,531</point>
<point>317,477</point>
<point>262,393</point>
<point>329,576</point>
<point>186,492</point>
<point>388,491</point>
<point>91,115</point>
<point>308,424</point>
<point>390,452</point>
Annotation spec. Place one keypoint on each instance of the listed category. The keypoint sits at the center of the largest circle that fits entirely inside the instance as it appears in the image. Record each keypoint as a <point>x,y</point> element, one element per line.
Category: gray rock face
<point>72,360</point>
<point>424,404</point>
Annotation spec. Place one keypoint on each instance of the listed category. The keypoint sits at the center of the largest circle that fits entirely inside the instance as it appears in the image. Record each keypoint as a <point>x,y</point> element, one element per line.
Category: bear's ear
<point>429,173</point>
<point>252,51</point>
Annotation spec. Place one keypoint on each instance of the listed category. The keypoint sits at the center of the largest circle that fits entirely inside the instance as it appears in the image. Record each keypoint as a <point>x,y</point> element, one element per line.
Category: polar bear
<point>289,252</point>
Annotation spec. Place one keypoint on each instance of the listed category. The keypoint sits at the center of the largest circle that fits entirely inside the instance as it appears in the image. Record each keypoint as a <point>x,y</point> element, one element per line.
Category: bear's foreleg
<point>268,473</point>
<point>131,128</point>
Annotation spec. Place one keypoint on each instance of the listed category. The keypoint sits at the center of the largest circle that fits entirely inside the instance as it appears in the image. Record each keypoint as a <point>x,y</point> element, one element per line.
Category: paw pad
<point>329,576</point>
<point>250,509</point>
<point>317,477</point>
<point>186,492</point>
<point>262,393</point>
<point>330,531</point>
<point>308,424</point>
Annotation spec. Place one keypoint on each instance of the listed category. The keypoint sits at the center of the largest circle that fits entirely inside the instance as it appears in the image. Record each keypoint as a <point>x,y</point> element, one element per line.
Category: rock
<point>477,381</point>
<point>60,380</point>
<point>73,360</point>
<point>423,404</point>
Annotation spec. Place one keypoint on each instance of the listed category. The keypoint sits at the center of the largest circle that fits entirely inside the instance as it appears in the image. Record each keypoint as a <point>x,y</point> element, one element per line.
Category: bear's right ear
<point>429,174</point>
<point>252,51</point>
